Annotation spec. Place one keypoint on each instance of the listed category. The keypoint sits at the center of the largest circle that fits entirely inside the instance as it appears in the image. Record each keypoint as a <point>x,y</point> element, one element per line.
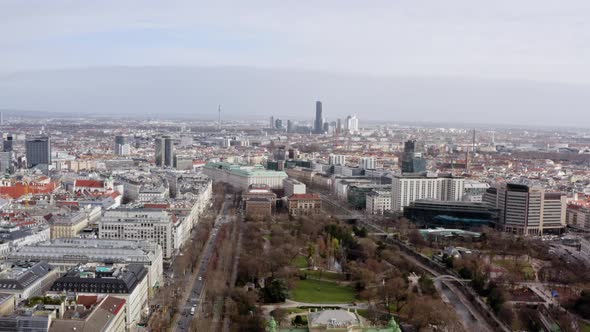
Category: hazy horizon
<point>176,91</point>
<point>458,61</point>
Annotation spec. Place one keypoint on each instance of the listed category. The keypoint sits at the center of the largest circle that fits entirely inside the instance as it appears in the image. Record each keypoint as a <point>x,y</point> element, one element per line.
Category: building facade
<point>65,254</point>
<point>38,151</point>
<point>292,186</point>
<point>304,204</point>
<point>378,202</point>
<point>407,188</point>
<point>128,282</point>
<point>242,177</point>
<point>138,224</point>
<point>528,209</point>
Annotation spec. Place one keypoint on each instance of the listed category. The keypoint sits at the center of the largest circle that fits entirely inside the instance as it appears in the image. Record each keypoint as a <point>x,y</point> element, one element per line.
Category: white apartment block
<point>138,224</point>
<point>378,202</point>
<point>292,186</point>
<point>337,159</point>
<point>367,163</point>
<point>408,188</point>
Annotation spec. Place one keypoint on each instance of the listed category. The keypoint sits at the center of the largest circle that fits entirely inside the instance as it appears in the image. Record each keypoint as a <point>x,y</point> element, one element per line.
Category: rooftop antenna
<point>219,120</point>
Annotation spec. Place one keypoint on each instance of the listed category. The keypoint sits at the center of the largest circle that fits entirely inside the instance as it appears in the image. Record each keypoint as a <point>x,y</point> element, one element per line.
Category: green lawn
<point>300,262</point>
<point>326,275</point>
<point>315,291</point>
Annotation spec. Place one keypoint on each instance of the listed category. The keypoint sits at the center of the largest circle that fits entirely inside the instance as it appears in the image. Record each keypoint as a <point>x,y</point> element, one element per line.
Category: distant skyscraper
<point>412,161</point>
<point>164,151</point>
<point>318,127</point>
<point>352,124</point>
<point>122,147</point>
<point>5,162</point>
<point>1,118</point>
<point>278,124</point>
<point>169,151</point>
<point>7,144</point>
<point>272,122</point>
<point>159,147</point>
<point>339,126</point>
<point>38,151</point>
<point>290,127</point>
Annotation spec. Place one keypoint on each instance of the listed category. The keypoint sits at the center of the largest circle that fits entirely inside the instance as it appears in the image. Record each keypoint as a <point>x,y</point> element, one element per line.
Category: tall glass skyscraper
<point>318,127</point>
<point>38,151</point>
<point>412,160</point>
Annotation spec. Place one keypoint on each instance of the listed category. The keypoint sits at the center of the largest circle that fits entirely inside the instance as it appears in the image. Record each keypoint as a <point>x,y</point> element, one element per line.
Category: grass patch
<point>522,270</point>
<point>363,312</point>
<point>584,327</point>
<point>325,275</point>
<point>315,291</point>
<point>296,310</point>
<point>300,262</point>
<point>427,252</point>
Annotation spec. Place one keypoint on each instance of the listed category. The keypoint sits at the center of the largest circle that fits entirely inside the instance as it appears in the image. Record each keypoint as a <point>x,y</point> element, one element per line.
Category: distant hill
<point>247,93</point>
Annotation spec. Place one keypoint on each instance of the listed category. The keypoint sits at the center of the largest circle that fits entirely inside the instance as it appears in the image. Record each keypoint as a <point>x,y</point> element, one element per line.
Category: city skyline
<point>255,166</point>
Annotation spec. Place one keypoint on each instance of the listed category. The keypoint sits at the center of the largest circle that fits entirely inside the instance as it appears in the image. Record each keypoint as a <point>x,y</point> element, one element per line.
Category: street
<point>196,292</point>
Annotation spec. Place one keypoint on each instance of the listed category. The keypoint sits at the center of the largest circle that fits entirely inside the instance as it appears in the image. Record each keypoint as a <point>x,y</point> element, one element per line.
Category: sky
<point>528,41</point>
<point>544,40</point>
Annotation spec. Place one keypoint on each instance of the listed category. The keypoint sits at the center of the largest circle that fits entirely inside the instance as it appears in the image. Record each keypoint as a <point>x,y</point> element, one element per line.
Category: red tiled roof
<point>19,189</point>
<point>87,300</point>
<point>304,196</point>
<point>89,183</point>
<point>112,304</point>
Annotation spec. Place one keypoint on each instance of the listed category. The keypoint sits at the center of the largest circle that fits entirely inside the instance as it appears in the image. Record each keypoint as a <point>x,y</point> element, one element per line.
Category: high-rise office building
<point>339,126</point>
<point>272,122</point>
<point>1,118</point>
<point>278,124</point>
<point>169,151</point>
<point>318,127</point>
<point>38,151</point>
<point>352,124</point>
<point>528,209</point>
<point>122,147</point>
<point>6,162</point>
<point>290,127</point>
<point>7,144</point>
<point>412,161</point>
<point>159,148</point>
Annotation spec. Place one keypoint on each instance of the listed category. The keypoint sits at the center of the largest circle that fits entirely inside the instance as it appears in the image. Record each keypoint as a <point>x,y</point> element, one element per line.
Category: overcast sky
<point>544,40</point>
<point>473,61</point>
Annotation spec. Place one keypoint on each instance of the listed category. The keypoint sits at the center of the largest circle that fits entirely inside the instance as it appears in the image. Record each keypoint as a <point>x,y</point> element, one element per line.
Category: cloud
<point>527,39</point>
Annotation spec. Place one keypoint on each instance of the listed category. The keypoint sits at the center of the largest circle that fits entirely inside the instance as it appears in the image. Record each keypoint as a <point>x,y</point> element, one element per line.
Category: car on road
<point>193,311</point>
